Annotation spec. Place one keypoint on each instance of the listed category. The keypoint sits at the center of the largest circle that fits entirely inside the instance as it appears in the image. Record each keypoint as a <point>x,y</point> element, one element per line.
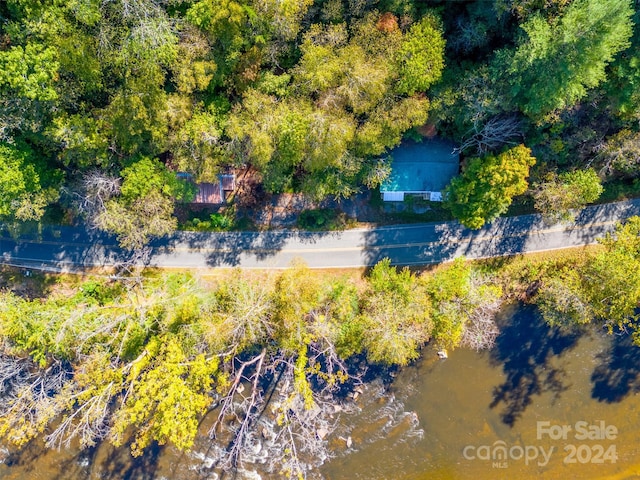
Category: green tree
<point>194,68</point>
<point>295,145</point>
<point>344,72</point>
<point>28,80</point>
<point>284,18</point>
<point>621,154</point>
<point>137,116</point>
<point>168,399</point>
<point>623,82</point>
<point>448,289</point>
<point>139,47</point>
<point>198,145</point>
<point>298,294</point>
<point>396,315</point>
<point>29,72</point>
<point>271,135</point>
<point>387,123</point>
<point>611,279</point>
<point>624,87</point>
<point>144,208</point>
<point>81,69</point>
<point>227,24</point>
<point>571,54</point>
<point>487,186</point>
<point>467,98</point>
<point>22,196</point>
<point>420,58</point>
<point>562,300</point>
<point>558,195</point>
<point>83,140</point>
<point>463,306</point>
<point>146,176</point>
<point>122,353</point>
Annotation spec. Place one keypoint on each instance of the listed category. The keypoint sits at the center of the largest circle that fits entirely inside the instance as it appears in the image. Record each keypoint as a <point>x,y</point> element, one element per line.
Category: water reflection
<point>483,399</point>
<point>523,349</point>
<point>618,372</point>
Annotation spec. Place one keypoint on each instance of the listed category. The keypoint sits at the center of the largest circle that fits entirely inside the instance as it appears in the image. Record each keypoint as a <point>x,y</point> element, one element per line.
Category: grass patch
<point>323,219</point>
<point>31,284</point>
<point>224,220</point>
<point>620,190</point>
<point>427,212</point>
<point>375,199</point>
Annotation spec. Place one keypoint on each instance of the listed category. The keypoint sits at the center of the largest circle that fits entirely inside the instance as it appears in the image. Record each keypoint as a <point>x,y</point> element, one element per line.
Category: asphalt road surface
<point>67,248</point>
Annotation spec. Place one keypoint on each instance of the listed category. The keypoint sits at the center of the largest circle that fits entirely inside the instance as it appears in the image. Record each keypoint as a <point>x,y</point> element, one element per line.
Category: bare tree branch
<point>491,135</point>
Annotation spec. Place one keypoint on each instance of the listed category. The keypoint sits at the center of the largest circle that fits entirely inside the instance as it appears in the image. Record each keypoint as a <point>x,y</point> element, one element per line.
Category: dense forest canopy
<point>310,94</point>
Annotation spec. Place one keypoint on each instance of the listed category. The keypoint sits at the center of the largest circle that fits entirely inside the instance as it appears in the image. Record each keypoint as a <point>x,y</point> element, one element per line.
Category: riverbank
<point>418,426</point>
<point>318,329</point>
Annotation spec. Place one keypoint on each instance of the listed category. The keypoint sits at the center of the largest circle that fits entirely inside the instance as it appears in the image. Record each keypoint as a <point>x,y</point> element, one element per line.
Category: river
<point>540,405</point>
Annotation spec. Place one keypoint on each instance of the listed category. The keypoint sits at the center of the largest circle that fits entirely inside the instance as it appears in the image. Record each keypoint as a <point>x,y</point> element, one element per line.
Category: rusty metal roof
<point>210,193</point>
<point>228,182</point>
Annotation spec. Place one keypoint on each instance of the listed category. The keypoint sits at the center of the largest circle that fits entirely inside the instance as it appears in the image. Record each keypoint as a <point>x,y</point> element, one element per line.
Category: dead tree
<point>481,330</point>
<point>31,399</point>
<point>491,135</point>
<point>90,197</point>
<point>267,418</point>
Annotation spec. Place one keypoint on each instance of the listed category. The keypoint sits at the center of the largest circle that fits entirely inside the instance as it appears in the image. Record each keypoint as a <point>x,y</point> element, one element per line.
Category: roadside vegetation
<point>272,355</point>
<point>138,361</point>
<point>102,103</point>
<point>323,219</point>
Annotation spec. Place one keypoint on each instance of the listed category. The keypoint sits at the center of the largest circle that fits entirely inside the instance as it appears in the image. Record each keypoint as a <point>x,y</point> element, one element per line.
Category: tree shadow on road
<point>227,249</point>
<point>61,248</point>
<point>503,237</point>
<point>58,249</point>
<point>394,243</point>
<point>444,242</point>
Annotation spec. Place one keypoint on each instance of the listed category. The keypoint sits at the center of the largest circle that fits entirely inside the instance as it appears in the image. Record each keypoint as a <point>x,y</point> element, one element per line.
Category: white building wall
<point>393,196</point>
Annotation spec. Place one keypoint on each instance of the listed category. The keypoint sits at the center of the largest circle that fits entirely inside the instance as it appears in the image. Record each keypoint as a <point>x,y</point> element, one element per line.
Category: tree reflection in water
<point>524,347</point>
<point>618,371</point>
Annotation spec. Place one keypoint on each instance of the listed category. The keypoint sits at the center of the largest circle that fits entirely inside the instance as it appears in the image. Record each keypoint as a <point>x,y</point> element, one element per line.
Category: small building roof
<point>428,166</point>
<point>209,193</point>
<point>228,182</point>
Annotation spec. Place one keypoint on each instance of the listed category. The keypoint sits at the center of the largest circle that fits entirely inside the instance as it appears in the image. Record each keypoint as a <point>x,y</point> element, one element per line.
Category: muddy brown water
<point>540,405</point>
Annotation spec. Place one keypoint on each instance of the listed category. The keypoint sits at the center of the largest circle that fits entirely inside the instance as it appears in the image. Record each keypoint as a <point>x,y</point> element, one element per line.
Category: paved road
<point>64,248</point>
